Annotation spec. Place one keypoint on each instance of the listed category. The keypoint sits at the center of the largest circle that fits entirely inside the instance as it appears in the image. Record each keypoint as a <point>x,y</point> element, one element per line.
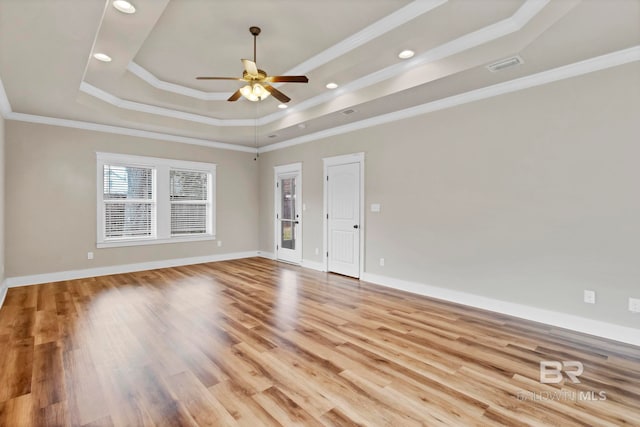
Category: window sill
<point>143,242</point>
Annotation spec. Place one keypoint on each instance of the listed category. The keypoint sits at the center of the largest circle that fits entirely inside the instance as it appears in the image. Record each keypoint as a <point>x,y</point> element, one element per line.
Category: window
<point>189,202</point>
<point>129,205</point>
<point>146,200</point>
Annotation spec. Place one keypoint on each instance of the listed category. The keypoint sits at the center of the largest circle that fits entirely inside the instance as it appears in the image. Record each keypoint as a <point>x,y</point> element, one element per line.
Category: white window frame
<point>162,223</point>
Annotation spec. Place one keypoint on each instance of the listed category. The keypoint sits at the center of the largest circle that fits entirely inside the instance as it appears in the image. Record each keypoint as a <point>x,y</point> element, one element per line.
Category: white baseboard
<point>313,265</point>
<point>567,321</point>
<point>267,255</point>
<point>576,323</point>
<point>118,269</point>
<point>3,291</point>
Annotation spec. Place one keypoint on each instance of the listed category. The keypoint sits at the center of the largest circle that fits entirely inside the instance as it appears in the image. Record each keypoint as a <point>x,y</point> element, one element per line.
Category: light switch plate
<point>375,207</point>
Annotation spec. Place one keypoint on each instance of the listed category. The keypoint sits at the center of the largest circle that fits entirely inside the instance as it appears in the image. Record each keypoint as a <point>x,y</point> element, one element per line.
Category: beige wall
<point>529,197</point>
<point>2,167</point>
<point>51,199</point>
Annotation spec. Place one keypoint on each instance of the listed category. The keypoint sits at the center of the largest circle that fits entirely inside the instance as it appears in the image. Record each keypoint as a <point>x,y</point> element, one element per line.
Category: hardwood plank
<point>292,385</point>
<point>159,403</point>
<point>85,398</point>
<point>16,373</point>
<point>46,327</point>
<point>48,386</point>
<point>17,411</point>
<point>254,342</point>
<point>203,407</point>
<point>52,415</point>
<point>241,406</point>
<point>283,409</point>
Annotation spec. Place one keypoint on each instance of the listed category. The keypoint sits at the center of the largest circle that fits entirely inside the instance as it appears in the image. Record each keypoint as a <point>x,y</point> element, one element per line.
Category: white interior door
<point>343,221</point>
<point>288,215</point>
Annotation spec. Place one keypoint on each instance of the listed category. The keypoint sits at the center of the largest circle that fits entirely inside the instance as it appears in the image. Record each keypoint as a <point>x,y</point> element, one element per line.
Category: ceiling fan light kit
<point>254,92</point>
<point>258,87</point>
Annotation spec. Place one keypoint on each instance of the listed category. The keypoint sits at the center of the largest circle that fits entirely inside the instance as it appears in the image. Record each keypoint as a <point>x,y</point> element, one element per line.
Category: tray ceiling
<point>48,72</point>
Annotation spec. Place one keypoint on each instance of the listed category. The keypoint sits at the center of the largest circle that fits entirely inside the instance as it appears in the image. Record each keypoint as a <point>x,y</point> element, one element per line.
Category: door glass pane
<point>288,235</point>
<point>288,195</point>
<point>288,213</point>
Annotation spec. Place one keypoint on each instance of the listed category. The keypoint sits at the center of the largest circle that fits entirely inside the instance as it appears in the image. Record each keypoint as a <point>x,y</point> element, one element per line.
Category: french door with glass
<point>288,215</point>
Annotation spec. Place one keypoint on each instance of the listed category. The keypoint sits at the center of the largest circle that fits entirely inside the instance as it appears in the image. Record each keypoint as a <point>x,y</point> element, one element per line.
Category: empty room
<point>319,213</point>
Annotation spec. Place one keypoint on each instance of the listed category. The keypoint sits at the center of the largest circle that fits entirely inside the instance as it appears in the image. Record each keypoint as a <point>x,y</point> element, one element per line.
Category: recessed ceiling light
<point>332,85</point>
<point>124,6</point>
<point>102,57</point>
<point>406,54</point>
<point>283,106</point>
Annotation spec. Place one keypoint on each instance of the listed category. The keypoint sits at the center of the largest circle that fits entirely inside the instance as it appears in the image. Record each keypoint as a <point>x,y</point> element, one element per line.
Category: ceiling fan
<point>258,87</point>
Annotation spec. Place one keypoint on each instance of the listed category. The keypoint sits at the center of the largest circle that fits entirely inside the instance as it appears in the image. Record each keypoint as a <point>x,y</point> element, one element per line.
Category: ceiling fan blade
<point>287,79</point>
<point>236,95</point>
<point>218,78</point>
<point>250,67</point>
<point>277,94</point>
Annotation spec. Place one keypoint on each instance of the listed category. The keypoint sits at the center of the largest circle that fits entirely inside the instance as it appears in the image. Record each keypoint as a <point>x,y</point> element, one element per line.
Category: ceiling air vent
<point>505,63</point>
<point>349,111</point>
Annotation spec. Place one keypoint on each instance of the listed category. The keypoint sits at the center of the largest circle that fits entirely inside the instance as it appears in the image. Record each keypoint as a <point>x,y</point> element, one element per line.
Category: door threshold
<point>344,275</point>
<point>289,262</point>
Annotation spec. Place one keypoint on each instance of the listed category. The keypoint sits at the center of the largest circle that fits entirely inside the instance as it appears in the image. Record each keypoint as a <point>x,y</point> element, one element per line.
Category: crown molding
<point>148,77</point>
<point>76,124</point>
<point>476,38</point>
<point>159,111</point>
<point>560,73</point>
<point>373,31</point>
<point>610,60</point>
<point>484,35</point>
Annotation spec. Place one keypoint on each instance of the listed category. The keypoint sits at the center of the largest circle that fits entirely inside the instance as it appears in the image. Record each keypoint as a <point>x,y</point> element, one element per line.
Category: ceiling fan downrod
<point>255,31</point>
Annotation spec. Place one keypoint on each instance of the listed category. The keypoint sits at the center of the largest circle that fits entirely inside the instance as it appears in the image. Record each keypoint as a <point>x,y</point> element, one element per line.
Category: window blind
<point>190,206</point>
<point>129,202</point>
<point>151,200</point>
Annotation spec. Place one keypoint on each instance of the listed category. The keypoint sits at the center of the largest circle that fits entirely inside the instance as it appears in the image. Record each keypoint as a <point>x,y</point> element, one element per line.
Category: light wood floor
<point>254,342</point>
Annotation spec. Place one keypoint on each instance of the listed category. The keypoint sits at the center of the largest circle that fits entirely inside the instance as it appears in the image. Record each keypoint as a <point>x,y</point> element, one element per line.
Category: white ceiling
<point>48,72</point>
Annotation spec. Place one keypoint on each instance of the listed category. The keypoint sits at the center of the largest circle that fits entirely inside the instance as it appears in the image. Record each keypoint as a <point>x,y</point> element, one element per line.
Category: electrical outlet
<point>219,243</point>
<point>634,305</point>
<point>381,262</point>
<point>590,297</point>
<point>89,255</point>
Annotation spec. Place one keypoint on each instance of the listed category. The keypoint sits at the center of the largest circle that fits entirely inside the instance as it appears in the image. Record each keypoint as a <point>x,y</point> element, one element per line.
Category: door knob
<point>355,226</point>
